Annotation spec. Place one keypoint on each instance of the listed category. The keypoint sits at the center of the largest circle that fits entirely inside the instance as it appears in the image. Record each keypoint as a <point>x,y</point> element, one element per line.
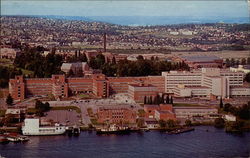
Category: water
<point>153,144</point>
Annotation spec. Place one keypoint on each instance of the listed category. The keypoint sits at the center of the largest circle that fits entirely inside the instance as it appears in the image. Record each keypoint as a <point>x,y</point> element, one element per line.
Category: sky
<point>197,8</point>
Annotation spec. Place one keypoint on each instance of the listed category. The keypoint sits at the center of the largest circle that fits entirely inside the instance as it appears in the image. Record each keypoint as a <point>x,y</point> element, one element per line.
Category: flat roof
<point>200,58</point>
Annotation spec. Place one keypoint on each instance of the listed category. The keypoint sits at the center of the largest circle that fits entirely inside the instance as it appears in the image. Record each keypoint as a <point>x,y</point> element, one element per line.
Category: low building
<point>151,123</point>
<point>159,112</point>
<point>139,91</point>
<point>9,53</point>
<point>195,113</point>
<point>241,68</point>
<point>203,61</point>
<point>230,118</point>
<point>76,68</point>
<point>116,115</point>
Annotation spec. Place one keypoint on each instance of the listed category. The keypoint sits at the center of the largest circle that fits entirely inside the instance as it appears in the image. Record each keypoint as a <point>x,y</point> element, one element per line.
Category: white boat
<point>33,127</point>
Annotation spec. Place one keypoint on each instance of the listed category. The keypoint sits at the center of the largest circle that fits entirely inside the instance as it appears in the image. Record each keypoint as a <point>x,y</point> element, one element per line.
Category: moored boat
<point>33,127</point>
<point>113,129</point>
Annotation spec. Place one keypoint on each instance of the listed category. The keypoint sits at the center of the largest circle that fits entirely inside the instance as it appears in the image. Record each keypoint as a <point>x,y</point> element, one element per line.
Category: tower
<point>104,42</point>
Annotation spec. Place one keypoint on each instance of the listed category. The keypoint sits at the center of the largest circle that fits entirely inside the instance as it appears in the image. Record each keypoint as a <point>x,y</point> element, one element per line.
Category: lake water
<point>154,144</point>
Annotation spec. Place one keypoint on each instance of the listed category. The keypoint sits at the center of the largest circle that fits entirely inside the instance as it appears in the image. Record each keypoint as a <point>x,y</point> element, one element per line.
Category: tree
<point>247,77</point>
<point>145,99</point>
<point>9,100</point>
<point>150,100</point>
<point>171,100</point>
<point>167,99</point>
<point>162,123</point>
<point>41,107</point>
<point>243,61</point>
<point>171,124</point>
<point>113,60</point>
<point>188,122</point>
<point>140,57</point>
<point>219,123</point>
<point>221,103</point>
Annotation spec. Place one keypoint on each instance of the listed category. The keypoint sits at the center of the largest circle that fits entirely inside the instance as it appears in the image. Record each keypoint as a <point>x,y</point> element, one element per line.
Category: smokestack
<point>104,42</point>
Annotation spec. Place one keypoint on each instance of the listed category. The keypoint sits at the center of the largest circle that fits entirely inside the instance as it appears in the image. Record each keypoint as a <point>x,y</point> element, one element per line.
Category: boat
<point>32,127</point>
<point>75,131</point>
<point>113,129</point>
<point>182,130</point>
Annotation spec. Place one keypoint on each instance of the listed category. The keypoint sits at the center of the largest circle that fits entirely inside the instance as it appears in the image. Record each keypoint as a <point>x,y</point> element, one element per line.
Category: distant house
<point>9,53</point>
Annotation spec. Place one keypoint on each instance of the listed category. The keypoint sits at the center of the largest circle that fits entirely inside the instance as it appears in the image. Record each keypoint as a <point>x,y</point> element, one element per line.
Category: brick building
<point>138,91</point>
<point>116,115</point>
<point>160,112</point>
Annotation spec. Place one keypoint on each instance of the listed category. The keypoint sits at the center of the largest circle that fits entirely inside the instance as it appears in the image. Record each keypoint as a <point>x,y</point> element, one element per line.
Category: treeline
<point>31,59</point>
<point>6,73</point>
<point>141,67</point>
<point>233,62</point>
<point>242,112</point>
<point>237,28</point>
<point>158,100</point>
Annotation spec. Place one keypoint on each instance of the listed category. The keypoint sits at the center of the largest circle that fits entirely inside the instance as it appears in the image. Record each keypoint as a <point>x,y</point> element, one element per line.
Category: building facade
<point>116,115</point>
<point>202,83</point>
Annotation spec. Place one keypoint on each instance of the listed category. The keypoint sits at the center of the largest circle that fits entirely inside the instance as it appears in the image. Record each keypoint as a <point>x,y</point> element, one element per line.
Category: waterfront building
<point>116,115</point>
<point>195,113</point>
<point>32,127</point>
<point>159,112</point>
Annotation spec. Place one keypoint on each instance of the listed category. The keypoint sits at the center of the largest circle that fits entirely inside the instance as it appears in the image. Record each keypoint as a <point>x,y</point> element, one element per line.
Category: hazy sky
<point>198,8</point>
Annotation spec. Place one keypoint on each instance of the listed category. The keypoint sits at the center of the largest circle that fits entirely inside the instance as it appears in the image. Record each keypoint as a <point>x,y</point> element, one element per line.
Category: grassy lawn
<point>186,104</point>
<point>82,96</point>
<point>31,111</point>
<point>2,113</point>
<point>78,110</point>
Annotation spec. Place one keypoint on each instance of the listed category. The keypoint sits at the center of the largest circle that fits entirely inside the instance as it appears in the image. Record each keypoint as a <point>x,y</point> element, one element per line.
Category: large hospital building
<point>205,82</point>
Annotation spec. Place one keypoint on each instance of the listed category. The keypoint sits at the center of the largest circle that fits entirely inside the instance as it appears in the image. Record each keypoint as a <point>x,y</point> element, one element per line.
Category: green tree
<point>243,61</point>
<point>140,57</point>
<point>188,122</point>
<point>162,123</point>
<point>171,123</point>
<point>221,103</point>
<point>219,123</point>
<point>247,77</point>
<point>145,99</point>
<point>9,100</point>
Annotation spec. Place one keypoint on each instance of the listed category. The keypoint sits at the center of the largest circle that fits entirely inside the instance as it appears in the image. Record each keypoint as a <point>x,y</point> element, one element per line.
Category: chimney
<point>104,42</point>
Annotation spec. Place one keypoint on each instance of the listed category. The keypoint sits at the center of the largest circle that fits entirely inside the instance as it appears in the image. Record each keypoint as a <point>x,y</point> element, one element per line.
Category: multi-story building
<point>203,82</point>
<point>116,115</point>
